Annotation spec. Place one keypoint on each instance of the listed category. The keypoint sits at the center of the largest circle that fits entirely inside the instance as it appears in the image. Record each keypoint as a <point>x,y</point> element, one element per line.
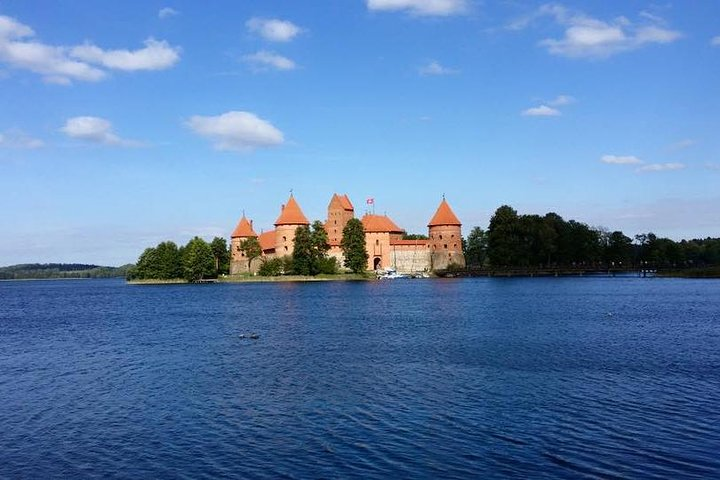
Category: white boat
<point>391,274</point>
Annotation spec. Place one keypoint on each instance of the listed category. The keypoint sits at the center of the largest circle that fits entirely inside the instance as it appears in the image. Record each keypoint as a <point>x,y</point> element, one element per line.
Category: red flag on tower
<point>370,201</point>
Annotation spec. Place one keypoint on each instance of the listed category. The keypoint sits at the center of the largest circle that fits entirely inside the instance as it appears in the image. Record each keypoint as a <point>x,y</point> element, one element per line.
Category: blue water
<point>457,378</point>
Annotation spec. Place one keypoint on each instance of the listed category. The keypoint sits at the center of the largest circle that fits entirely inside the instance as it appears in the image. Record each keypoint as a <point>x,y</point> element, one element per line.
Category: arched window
<point>377,242</point>
<point>285,240</point>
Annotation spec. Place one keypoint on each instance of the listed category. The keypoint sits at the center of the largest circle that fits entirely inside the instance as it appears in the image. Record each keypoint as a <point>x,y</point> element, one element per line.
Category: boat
<point>390,274</point>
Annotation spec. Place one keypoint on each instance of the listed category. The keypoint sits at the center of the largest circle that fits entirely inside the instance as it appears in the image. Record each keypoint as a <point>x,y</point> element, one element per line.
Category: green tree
<point>271,267</point>
<point>618,249</point>
<point>198,260</point>
<point>353,246</point>
<point>169,261</point>
<point>504,248</point>
<point>475,247</point>
<point>302,255</point>
<point>147,266</point>
<point>252,250</point>
<point>221,255</point>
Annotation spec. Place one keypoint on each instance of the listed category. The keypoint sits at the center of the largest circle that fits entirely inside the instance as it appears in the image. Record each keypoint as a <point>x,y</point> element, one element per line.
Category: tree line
<point>549,241</point>
<point>60,270</point>
<point>197,260</point>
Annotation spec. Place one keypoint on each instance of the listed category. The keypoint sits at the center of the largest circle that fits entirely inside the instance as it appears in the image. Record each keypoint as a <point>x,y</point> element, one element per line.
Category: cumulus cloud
<point>715,42</point>
<point>661,167</point>
<point>157,55</point>
<point>441,8</point>
<point>237,131</point>
<point>541,111</point>
<point>273,29</point>
<point>20,49</point>
<point>434,68</point>
<point>95,130</point>
<point>621,159</point>
<point>18,139</point>
<point>265,60</point>
<point>167,12</point>
<point>588,37</point>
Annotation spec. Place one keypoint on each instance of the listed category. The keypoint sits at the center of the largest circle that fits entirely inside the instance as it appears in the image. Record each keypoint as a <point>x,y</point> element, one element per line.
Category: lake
<point>441,378</point>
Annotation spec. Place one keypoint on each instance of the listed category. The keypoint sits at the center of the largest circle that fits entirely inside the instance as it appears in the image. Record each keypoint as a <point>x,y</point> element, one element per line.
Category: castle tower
<point>340,210</point>
<point>445,234</point>
<point>243,231</point>
<point>291,217</point>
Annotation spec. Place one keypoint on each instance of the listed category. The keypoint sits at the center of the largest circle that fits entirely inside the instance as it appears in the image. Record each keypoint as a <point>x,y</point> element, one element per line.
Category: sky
<point>123,124</point>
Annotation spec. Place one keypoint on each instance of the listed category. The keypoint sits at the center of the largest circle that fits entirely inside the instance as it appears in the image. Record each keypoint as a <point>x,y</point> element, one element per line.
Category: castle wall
<point>446,246</point>
<point>284,238</point>
<point>377,245</point>
<point>411,258</point>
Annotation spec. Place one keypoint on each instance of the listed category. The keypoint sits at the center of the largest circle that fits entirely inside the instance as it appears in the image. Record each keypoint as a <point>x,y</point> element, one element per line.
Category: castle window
<point>440,237</point>
<point>446,246</point>
<point>452,236</point>
<point>454,245</point>
<point>377,242</point>
<point>286,248</point>
<point>335,222</point>
<point>285,240</point>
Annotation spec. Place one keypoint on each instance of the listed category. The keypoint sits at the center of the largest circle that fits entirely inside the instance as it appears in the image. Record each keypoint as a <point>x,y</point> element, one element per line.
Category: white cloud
<point>661,167</point>
<point>682,144</point>
<point>588,37</point>
<point>561,100</point>
<point>621,159</point>
<point>421,7</point>
<point>273,29</point>
<point>715,42</point>
<point>265,60</point>
<point>434,68</point>
<point>541,111</point>
<point>167,12</point>
<point>238,131</point>
<point>95,130</point>
<point>18,139</point>
<point>63,65</point>
<point>157,55</point>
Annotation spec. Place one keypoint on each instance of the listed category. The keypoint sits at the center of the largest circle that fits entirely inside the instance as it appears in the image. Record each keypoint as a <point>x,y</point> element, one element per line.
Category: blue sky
<point>123,124</point>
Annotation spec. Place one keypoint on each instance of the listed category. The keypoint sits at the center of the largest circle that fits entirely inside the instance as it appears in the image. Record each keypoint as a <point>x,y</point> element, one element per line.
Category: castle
<point>384,241</point>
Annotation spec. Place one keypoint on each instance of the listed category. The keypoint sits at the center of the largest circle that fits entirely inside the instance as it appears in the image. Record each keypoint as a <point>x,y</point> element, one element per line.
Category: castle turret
<point>243,231</point>
<point>445,231</point>
<point>340,210</point>
<point>291,217</point>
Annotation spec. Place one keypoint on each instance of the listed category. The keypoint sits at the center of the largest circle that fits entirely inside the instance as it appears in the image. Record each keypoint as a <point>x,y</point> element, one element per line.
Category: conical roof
<point>243,229</point>
<point>379,223</point>
<point>444,216</point>
<point>291,214</point>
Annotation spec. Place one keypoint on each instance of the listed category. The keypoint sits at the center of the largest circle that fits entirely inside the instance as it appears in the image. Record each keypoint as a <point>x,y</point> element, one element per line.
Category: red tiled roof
<point>267,240</point>
<point>345,202</point>
<point>418,242</point>
<point>243,229</point>
<point>380,223</point>
<point>444,216</point>
<point>341,201</point>
<point>291,214</point>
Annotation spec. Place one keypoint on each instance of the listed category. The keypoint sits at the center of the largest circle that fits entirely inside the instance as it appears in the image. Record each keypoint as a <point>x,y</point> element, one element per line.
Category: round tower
<point>445,232</point>
<point>291,217</point>
<point>243,231</point>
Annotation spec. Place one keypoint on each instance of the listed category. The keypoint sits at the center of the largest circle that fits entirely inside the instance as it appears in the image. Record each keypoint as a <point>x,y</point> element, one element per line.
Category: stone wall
<point>410,259</point>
